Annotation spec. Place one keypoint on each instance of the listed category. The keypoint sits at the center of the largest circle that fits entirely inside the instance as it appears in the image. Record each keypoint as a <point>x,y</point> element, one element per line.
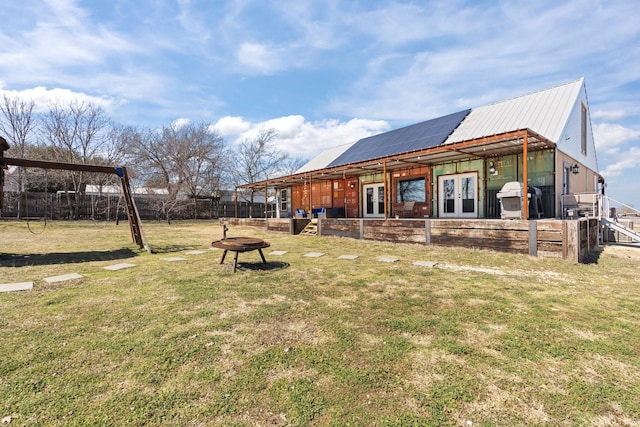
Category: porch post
<point>310,194</point>
<point>385,188</point>
<point>266,206</point>
<point>525,176</point>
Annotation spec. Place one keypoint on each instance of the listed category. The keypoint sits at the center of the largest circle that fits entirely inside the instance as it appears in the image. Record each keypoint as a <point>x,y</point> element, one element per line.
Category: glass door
<point>373,200</point>
<point>458,196</point>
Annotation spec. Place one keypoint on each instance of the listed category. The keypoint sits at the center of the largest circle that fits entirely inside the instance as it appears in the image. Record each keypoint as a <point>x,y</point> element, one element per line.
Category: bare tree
<point>185,160</point>
<point>76,132</point>
<point>18,124</point>
<point>257,159</point>
<point>291,164</point>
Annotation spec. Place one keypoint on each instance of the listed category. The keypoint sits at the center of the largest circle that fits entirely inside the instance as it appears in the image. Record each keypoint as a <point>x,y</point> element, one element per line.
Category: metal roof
<point>419,136</point>
<point>325,158</point>
<point>544,112</point>
<point>483,132</point>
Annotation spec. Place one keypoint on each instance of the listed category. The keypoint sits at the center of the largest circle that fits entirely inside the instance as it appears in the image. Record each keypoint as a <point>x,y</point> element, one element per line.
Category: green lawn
<point>481,338</point>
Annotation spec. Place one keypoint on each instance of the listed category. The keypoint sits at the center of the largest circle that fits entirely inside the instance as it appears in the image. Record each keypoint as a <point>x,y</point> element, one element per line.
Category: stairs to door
<point>311,229</point>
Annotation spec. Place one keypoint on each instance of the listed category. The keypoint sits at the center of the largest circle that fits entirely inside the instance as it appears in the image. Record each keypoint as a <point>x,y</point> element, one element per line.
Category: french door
<point>373,200</point>
<point>458,196</point>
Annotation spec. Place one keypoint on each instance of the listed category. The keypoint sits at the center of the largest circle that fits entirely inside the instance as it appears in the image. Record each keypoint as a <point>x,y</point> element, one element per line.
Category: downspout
<point>525,176</point>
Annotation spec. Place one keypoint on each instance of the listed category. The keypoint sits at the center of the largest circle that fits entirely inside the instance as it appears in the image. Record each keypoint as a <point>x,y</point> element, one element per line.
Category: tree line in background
<point>185,161</point>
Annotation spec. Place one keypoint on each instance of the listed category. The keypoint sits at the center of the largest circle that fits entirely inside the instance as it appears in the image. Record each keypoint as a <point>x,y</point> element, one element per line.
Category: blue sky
<point>323,73</point>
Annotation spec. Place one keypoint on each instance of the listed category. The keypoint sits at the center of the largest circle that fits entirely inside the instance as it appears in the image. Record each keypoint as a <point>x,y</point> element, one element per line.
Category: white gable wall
<point>570,141</point>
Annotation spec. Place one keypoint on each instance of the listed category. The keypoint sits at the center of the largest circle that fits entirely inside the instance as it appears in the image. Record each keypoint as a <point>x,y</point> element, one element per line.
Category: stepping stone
<point>214,249</point>
<point>387,259</point>
<point>63,278</point>
<point>174,258</point>
<point>314,254</point>
<point>20,286</point>
<point>278,253</point>
<point>194,252</point>
<point>120,266</point>
<point>348,257</point>
<point>430,264</point>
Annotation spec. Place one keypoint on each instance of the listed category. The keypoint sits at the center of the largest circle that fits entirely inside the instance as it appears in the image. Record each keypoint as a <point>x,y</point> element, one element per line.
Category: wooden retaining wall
<point>572,240</point>
<point>271,224</point>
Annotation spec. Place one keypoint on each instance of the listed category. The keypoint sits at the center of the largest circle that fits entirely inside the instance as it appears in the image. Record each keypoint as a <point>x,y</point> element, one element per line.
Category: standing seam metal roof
<point>323,159</point>
<point>544,112</point>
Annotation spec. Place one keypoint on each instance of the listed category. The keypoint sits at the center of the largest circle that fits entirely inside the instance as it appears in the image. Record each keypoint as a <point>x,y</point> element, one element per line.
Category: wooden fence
<point>572,240</point>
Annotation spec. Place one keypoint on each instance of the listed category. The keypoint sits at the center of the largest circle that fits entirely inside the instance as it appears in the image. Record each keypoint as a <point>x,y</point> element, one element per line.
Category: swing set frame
<point>137,234</point>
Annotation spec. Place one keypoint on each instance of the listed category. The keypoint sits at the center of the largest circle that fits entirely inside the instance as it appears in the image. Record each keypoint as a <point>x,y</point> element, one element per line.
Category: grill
<point>511,201</point>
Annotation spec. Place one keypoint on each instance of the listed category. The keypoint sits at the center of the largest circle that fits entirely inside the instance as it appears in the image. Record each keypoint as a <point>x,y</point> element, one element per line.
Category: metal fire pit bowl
<point>240,244</point>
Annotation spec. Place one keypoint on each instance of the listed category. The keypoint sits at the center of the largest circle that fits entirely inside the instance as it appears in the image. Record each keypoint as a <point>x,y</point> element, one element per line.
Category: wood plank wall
<point>572,240</point>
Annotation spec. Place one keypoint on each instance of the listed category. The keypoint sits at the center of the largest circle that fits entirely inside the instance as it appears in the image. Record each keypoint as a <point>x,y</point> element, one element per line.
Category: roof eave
<point>479,148</point>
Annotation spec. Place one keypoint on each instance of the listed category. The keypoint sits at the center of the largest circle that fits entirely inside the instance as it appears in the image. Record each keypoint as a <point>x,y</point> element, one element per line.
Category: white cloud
<point>630,159</point>
<point>180,122</point>
<point>258,57</point>
<point>610,136</point>
<point>58,43</point>
<point>44,97</point>
<point>298,137</point>
<point>608,114</point>
<point>230,126</point>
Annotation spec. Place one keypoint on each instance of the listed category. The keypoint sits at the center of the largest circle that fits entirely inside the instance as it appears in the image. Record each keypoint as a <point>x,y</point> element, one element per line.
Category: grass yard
<point>481,338</point>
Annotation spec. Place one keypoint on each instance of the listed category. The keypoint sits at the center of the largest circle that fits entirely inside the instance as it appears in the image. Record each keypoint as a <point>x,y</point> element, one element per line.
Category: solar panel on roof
<point>403,140</point>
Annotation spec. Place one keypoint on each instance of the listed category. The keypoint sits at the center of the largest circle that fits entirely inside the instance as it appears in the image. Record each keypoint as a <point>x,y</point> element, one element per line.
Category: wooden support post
<point>310,195</point>
<point>533,238</point>
<point>525,177</point>
<point>427,232</point>
<point>385,190</point>
<point>266,201</point>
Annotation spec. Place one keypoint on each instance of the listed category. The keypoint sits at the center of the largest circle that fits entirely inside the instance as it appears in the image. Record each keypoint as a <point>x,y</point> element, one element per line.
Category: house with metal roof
<point>455,166</point>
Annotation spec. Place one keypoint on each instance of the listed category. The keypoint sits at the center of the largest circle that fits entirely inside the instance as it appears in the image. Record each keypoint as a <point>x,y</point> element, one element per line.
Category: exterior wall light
<point>492,169</point>
<point>575,169</point>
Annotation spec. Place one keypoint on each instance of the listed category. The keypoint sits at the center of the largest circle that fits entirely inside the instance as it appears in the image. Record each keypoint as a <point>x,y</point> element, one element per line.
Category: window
<point>284,206</point>
<point>583,130</point>
<point>411,191</point>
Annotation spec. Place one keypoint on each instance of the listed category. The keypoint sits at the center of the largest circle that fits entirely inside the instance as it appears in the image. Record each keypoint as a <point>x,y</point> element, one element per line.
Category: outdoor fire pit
<point>240,244</point>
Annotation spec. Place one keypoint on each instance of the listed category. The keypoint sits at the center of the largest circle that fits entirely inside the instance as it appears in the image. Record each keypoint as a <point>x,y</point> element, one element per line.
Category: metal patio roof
<point>479,148</point>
